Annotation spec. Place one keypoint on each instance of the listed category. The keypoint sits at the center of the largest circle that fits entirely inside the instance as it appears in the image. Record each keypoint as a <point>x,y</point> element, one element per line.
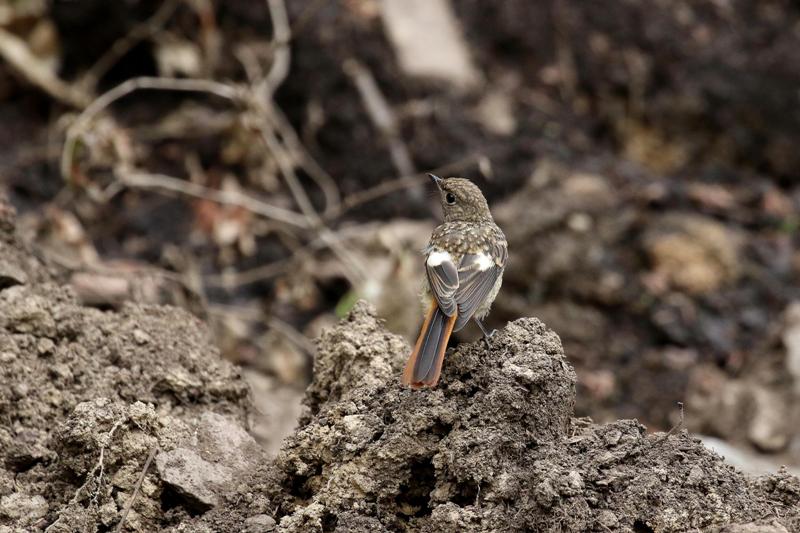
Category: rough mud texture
<point>86,396</point>
<point>494,448</point>
<point>663,249</point>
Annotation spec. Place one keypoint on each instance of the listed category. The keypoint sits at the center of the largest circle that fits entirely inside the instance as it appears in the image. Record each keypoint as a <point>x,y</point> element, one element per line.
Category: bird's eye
<point>450,198</point>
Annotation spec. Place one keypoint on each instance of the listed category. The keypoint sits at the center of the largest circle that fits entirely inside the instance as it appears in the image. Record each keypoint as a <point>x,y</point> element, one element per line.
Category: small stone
<point>61,371</point>
<point>768,429</point>
<point>11,274</point>
<point>25,312</point>
<point>360,429</point>
<point>589,187</point>
<point>695,476</point>
<point>545,494</point>
<point>23,507</point>
<point>259,523</point>
<point>495,112</point>
<point>695,254</point>
<point>140,337</point>
<point>19,390</point>
<point>571,484</point>
<point>45,346</point>
<point>199,482</point>
<point>612,437</point>
<point>108,513</point>
<point>580,222</point>
<point>7,482</point>
<point>607,519</point>
<point>204,471</point>
<point>507,486</point>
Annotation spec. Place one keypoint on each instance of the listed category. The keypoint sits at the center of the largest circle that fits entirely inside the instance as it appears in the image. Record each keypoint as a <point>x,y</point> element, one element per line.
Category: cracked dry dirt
<point>87,396</point>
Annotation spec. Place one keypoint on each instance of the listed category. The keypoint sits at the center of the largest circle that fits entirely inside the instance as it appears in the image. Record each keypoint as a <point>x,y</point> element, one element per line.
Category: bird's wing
<point>465,287</point>
<point>477,276</point>
<point>442,279</point>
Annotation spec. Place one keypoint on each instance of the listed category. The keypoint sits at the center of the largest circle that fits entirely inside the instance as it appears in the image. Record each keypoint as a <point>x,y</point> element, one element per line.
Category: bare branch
<point>253,314</point>
<point>264,89</point>
<point>221,90</point>
<point>137,488</point>
<point>232,280</point>
<point>16,52</point>
<point>387,187</point>
<point>145,180</point>
<point>122,46</point>
<point>281,35</point>
<point>286,164</point>
<point>673,429</point>
<point>381,115</point>
<point>324,181</point>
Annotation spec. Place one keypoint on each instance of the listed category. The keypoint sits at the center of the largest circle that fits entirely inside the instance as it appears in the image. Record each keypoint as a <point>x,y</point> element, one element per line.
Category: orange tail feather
<point>425,363</point>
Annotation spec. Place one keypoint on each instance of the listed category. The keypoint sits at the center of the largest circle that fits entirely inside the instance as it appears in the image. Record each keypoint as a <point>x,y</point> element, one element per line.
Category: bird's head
<point>462,200</point>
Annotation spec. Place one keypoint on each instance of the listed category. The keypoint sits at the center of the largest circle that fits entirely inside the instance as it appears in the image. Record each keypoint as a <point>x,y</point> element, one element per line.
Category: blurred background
<point>261,163</point>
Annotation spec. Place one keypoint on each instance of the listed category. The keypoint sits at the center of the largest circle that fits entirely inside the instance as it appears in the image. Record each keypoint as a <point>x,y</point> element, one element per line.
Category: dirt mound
<point>495,447</point>
<point>86,395</point>
<point>131,416</point>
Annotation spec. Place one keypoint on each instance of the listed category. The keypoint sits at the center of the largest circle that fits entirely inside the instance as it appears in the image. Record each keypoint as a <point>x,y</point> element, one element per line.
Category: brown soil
<point>647,183</point>
<point>89,396</point>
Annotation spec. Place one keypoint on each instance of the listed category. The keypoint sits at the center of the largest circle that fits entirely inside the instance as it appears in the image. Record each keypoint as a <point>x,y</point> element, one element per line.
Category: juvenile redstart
<point>464,263</point>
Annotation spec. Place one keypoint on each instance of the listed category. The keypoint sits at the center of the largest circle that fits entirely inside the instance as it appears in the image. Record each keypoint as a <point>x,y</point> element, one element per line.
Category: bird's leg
<point>487,336</point>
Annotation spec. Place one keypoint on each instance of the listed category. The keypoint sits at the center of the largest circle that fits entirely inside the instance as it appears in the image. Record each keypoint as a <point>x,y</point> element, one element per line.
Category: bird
<point>464,263</point>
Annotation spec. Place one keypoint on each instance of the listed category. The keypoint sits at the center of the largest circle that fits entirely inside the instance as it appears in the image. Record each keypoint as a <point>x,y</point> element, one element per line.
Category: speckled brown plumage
<point>464,263</point>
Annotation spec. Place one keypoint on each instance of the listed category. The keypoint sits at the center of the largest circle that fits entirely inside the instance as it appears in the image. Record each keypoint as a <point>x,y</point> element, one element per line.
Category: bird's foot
<point>487,335</point>
<point>487,338</point>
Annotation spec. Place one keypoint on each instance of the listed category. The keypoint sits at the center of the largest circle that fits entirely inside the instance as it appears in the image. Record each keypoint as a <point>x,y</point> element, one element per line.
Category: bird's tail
<point>425,363</point>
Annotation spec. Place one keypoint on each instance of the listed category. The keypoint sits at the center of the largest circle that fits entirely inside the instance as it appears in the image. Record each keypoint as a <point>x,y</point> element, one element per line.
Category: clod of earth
<point>87,396</point>
<point>495,447</point>
<point>219,451</point>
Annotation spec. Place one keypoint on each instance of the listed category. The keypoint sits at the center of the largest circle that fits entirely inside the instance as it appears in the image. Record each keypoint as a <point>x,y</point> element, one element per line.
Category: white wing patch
<point>485,262</point>
<point>436,258</point>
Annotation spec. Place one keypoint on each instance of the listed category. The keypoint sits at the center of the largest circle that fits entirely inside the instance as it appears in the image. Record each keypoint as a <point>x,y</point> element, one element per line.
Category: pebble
<point>140,337</point>
<point>607,519</point>
<point>23,507</point>
<point>259,523</point>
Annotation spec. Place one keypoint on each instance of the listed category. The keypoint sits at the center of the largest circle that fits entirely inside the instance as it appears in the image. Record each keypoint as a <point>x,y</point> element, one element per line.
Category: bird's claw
<point>487,338</point>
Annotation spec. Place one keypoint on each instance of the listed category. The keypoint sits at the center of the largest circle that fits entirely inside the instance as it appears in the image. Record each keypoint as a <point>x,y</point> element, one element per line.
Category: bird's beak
<point>437,180</point>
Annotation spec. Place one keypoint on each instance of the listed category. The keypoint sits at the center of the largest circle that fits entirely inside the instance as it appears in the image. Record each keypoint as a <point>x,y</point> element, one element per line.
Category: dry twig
<point>16,52</point>
<point>388,187</point>
<point>99,465</point>
<point>144,180</point>
<point>281,35</point>
<point>129,505</point>
<point>233,280</point>
<point>265,86</point>
<point>672,430</point>
<point>355,271</point>
<point>266,118</point>
<point>257,315</point>
<point>324,181</point>
<point>122,46</point>
<point>381,115</point>
<point>76,129</point>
